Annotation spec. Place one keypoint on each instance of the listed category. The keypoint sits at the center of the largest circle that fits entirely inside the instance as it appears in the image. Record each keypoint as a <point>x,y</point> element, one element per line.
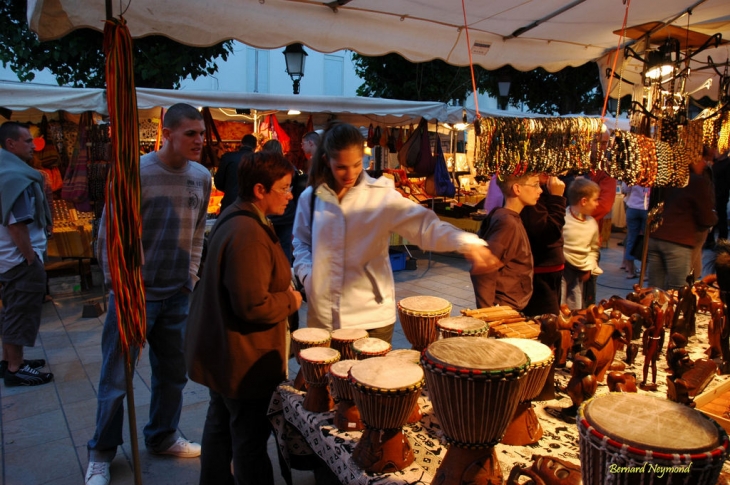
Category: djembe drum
<point>418,316</point>
<point>342,339</point>
<point>414,357</point>
<point>474,384</point>
<point>462,327</point>
<point>368,347</point>
<point>316,362</point>
<point>525,429</point>
<point>347,416</point>
<point>305,338</point>
<point>635,439</point>
<point>385,395</point>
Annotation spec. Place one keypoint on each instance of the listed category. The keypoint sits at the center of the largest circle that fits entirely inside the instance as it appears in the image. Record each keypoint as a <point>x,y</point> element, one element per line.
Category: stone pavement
<point>45,429</point>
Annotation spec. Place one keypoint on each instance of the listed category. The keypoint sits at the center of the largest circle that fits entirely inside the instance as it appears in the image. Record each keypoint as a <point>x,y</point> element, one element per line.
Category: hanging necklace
<point>578,216</point>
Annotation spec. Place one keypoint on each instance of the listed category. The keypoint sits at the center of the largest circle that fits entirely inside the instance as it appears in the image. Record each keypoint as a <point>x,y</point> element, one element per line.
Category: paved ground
<point>45,429</point>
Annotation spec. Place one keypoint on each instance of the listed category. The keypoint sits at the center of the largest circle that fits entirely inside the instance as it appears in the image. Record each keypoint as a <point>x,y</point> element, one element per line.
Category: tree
<point>393,77</point>
<point>77,59</point>
<point>571,90</point>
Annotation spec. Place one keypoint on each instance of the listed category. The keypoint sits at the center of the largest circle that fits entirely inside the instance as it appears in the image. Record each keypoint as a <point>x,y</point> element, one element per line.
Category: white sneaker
<point>98,473</point>
<point>182,448</point>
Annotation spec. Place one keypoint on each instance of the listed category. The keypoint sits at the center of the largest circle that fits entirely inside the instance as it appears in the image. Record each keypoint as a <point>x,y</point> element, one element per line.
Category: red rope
<point>123,222</point>
<point>471,62</point>
<point>615,59</point>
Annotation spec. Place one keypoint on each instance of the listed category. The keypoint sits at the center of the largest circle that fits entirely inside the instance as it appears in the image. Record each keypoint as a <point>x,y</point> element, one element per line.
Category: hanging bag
<point>410,152</point>
<point>426,161</point>
<point>442,179</point>
<point>76,181</point>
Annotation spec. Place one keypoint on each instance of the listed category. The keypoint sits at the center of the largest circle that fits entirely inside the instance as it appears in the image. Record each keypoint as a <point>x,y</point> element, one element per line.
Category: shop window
<point>334,72</point>
<point>257,70</point>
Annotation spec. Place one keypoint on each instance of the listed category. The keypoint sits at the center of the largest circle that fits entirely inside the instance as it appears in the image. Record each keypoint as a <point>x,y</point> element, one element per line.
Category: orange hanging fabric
<point>123,195</point>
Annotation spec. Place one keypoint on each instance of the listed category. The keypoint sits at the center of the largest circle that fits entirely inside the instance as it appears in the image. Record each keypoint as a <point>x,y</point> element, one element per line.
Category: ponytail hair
<point>337,136</point>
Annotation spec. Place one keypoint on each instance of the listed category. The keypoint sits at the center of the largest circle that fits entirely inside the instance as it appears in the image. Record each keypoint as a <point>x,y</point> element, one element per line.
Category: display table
<point>560,438</point>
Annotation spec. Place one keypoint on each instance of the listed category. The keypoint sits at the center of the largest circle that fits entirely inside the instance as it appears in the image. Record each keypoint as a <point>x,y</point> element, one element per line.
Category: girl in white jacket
<point>341,250</point>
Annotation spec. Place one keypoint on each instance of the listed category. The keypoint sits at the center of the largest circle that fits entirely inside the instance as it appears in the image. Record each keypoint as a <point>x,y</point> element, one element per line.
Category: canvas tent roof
<point>524,33</point>
<point>356,110</point>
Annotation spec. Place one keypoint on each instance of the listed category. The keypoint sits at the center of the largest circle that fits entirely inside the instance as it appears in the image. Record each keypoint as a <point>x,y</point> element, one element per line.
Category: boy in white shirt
<point>581,241</point>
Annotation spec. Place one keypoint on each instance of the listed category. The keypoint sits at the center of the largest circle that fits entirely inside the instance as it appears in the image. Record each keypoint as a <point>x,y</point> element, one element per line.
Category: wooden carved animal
<point>600,339</point>
<point>621,381</point>
<point>630,308</point>
<point>645,296</point>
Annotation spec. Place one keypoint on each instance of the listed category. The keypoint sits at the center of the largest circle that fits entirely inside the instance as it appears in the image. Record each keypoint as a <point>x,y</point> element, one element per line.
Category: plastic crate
<point>397,260</point>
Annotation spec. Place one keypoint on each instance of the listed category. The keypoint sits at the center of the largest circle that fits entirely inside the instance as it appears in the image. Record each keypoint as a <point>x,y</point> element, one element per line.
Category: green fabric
<point>15,177</point>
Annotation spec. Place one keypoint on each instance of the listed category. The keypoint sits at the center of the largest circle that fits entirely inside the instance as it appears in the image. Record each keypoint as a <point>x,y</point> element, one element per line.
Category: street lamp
<point>295,56</point>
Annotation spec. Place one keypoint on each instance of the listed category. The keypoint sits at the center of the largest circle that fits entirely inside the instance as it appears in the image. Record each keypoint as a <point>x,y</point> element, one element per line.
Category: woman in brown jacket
<point>236,337</point>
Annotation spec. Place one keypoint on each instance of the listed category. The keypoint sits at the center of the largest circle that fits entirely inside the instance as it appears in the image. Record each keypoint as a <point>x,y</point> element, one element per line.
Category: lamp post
<point>295,56</point>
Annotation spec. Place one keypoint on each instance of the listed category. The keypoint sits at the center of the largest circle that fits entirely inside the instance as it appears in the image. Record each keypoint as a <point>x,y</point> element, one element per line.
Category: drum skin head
<point>311,335</point>
<point>476,353</point>
<point>381,373</point>
<point>536,351</point>
<point>425,304</point>
<point>462,323</point>
<point>342,367</point>
<point>319,354</point>
<point>651,423</point>
<point>371,345</point>
<point>409,355</point>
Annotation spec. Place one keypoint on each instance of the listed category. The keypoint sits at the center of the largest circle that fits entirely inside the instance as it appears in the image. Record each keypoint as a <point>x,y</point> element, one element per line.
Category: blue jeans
<point>166,321</point>
<point>635,222</point>
<point>668,264</point>
<point>571,288</point>
<point>236,430</point>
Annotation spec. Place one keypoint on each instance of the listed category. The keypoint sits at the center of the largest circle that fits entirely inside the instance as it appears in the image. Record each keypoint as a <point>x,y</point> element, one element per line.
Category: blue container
<point>397,260</point>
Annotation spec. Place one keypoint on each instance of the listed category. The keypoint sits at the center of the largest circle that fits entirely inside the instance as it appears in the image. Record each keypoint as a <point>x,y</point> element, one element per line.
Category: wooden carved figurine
<point>704,300</point>
<point>684,316</point>
<point>651,341</point>
<point>630,308</point>
<point>714,330</point>
<point>688,378</point>
<point>582,384</point>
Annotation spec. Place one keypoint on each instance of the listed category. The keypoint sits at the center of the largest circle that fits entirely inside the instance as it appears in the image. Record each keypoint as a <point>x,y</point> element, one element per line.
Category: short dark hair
<point>265,168</point>
<point>179,112</point>
<point>312,136</point>
<point>582,187</point>
<point>10,129</point>
<point>249,141</point>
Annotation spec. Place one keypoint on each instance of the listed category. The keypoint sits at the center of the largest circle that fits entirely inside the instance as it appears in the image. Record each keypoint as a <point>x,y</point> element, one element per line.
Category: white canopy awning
<point>527,34</point>
<point>355,110</point>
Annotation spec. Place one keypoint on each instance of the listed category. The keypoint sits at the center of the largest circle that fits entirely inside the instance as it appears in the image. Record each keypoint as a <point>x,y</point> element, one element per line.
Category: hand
<point>555,186</point>
<point>482,260</point>
<point>585,276</point>
<point>297,297</point>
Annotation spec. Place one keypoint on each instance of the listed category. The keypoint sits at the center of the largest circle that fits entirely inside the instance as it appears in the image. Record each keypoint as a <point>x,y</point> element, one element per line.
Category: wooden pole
<point>129,365</point>
<point>132,414</point>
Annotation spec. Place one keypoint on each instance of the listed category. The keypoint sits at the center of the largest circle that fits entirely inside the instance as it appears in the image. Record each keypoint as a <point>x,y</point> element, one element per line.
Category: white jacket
<point>344,264</point>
